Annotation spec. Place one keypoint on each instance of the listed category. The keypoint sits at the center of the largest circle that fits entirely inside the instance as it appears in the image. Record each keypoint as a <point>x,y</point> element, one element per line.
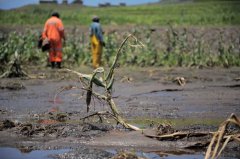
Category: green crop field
<point>188,13</point>
<point>196,33</point>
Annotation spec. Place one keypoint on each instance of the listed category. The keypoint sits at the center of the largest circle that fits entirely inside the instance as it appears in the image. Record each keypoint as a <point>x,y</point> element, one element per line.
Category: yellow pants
<point>96,49</point>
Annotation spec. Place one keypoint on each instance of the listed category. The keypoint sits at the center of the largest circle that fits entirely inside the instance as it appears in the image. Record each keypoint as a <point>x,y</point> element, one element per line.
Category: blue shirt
<point>95,29</point>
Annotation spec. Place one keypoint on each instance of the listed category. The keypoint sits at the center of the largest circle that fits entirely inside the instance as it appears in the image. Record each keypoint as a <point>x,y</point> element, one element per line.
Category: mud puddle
<point>13,153</point>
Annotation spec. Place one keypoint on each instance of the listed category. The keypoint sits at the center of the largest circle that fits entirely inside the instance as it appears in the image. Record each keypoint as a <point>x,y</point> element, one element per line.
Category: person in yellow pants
<point>97,43</point>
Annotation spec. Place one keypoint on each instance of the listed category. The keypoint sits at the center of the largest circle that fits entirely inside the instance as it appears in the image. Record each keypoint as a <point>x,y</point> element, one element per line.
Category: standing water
<point>13,153</point>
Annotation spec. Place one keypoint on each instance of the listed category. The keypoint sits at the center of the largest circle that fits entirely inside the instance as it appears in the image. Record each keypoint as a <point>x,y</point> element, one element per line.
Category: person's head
<point>96,19</point>
<point>55,14</point>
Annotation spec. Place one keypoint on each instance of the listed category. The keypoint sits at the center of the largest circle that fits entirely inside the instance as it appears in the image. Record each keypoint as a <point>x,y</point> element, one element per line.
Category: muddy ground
<point>32,119</point>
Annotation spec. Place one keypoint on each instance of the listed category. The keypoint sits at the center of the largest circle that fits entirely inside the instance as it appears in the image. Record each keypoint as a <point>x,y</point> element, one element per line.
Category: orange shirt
<point>53,29</point>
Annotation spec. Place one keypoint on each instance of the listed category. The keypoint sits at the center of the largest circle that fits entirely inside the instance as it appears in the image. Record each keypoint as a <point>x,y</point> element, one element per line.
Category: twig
<point>177,135</point>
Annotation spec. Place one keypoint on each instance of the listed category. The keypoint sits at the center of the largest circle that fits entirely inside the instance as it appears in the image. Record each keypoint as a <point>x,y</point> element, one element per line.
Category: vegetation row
<point>167,47</point>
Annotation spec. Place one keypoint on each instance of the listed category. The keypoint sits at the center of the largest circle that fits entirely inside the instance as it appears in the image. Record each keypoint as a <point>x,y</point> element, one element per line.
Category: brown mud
<point>34,118</point>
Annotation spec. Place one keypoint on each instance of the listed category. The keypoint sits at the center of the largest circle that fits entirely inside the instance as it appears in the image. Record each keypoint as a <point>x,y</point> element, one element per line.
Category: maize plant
<point>106,82</point>
<point>14,68</point>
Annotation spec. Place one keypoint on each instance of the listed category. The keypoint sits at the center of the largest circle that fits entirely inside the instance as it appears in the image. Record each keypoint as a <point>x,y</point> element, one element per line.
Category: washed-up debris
<point>54,116</point>
<point>39,76</point>
<point>61,130</point>
<point>234,86</point>
<point>165,132</point>
<point>59,116</point>
<point>162,90</point>
<point>26,129</point>
<point>12,86</point>
<point>126,155</point>
<point>29,129</point>
<point>126,79</point>
<point>35,116</point>
<point>54,124</point>
<point>3,111</point>
<point>225,134</point>
<point>237,79</point>
<point>6,124</point>
<point>164,129</point>
<point>180,81</point>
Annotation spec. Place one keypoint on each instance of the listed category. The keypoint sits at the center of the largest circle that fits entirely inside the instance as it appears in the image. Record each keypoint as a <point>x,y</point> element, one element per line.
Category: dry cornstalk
<point>216,147</point>
<point>178,135</point>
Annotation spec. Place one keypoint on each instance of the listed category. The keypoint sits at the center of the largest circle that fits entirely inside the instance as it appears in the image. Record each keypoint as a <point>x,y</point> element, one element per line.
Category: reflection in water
<point>13,153</point>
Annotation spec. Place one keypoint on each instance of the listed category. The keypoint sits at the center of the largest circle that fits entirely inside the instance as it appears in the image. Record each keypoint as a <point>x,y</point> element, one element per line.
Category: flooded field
<point>39,123</point>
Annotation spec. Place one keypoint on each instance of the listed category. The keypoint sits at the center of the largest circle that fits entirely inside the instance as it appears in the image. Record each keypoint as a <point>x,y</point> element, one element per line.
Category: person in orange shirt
<point>54,32</point>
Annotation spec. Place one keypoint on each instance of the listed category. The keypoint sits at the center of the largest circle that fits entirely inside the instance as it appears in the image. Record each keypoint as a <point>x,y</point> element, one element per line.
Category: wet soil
<point>34,118</point>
